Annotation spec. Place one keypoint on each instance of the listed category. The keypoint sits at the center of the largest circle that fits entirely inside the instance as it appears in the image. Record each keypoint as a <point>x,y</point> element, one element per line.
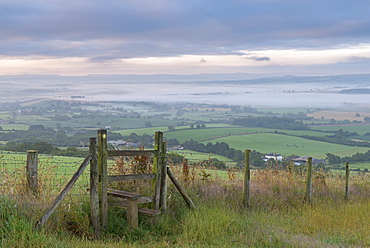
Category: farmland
<point>283,218</point>
<point>182,122</point>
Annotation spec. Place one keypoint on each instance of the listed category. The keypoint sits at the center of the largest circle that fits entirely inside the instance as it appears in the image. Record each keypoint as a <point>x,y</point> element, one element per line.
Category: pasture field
<point>31,118</point>
<point>211,133</point>
<point>23,127</point>
<point>195,157</point>
<point>152,130</point>
<point>360,128</point>
<point>339,115</point>
<point>288,145</point>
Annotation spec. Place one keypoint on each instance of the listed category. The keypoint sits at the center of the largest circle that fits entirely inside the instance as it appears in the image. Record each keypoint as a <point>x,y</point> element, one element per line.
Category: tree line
<point>271,122</point>
<point>223,149</point>
<point>358,157</point>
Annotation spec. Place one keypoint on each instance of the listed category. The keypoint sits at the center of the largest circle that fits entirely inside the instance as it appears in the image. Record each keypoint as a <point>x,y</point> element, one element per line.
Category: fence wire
<point>54,173</point>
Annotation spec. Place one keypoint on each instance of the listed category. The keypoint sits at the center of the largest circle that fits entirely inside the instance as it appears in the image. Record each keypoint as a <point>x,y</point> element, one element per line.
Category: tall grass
<point>278,215</point>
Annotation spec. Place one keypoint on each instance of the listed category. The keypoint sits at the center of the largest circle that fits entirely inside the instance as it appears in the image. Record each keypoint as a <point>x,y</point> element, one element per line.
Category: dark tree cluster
<point>271,122</point>
<point>223,149</point>
<point>358,157</point>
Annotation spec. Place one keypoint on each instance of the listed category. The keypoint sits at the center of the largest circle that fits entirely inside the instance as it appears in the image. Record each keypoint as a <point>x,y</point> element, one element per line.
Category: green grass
<point>277,217</point>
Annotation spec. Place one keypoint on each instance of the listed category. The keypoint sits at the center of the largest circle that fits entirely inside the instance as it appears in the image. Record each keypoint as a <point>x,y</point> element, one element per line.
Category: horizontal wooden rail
<point>117,153</point>
<point>114,178</point>
<point>120,202</point>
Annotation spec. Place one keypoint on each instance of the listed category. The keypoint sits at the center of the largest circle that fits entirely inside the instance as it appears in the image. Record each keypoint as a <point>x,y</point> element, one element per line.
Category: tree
<point>332,159</point>
<point>148,124</point>
<point>36,128</point>
<point>171,128</point>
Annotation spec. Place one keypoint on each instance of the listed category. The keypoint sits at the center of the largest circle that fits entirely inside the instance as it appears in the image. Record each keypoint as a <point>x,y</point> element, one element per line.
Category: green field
<point>288,145</point>
<point>14,126</point>
<point>200,156</point>
<point>360,129</point>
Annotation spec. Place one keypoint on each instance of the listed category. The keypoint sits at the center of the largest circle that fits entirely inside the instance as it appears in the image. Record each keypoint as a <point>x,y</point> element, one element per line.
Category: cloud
<point>256,58</point>
<point>113,30</point>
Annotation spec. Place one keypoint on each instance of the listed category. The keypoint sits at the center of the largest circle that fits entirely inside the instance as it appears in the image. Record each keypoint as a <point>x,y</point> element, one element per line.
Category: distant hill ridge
<point>355,91</point>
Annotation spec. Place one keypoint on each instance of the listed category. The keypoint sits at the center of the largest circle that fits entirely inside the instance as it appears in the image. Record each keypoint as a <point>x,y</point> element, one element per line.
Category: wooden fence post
<point>157,168</point>
<point>163,190</point>
<point>309,180</point>
<point>94,191</point>
<point>247,179</point>
<point>347,182</point>
<point>32,171</point>
<point>102,170</point>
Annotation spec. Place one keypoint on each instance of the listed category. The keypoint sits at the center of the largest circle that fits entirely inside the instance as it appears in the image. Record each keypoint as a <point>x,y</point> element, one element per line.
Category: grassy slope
<point>277,218</point>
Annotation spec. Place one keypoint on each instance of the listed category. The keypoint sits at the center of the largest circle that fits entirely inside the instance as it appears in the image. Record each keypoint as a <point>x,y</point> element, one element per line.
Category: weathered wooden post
<point>347,182</point>
<point>102,172</point>
<point>157,168</point>
<point>163,189</point>
<point>309,180</point>
<point>94,191</point>
<point>32,170</point>
<point>247,179</point>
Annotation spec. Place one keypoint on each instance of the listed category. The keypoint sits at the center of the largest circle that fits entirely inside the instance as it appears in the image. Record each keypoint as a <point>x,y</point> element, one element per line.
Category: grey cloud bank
<point>101,31</point>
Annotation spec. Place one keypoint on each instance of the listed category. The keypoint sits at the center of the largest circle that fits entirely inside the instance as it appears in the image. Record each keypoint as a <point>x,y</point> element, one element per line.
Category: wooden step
<point>149,212</point>
<point>123,194</point>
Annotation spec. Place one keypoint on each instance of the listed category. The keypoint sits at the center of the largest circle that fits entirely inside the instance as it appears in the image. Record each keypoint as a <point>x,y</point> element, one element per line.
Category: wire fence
<point>53,174</point>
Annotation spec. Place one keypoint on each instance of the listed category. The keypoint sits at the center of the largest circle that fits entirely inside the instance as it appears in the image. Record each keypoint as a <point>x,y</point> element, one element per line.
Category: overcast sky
<point>80,37</point>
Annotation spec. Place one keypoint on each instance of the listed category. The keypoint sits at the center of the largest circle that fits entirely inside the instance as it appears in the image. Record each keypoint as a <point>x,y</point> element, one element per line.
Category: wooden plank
<point>180,189</point>
<point>94,192</point>
<point>124,194</point>
<point>113,178</point>
<point>120,202</point>
<point>103,164</point>
<point>247,178</point>
<point>128,153</point>
<point>61,196</point>
<point>149,212</point>
<point>157,168</point>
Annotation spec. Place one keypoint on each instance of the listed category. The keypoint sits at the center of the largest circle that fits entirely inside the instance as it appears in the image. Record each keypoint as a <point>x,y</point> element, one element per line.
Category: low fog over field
<point>235,89</point>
